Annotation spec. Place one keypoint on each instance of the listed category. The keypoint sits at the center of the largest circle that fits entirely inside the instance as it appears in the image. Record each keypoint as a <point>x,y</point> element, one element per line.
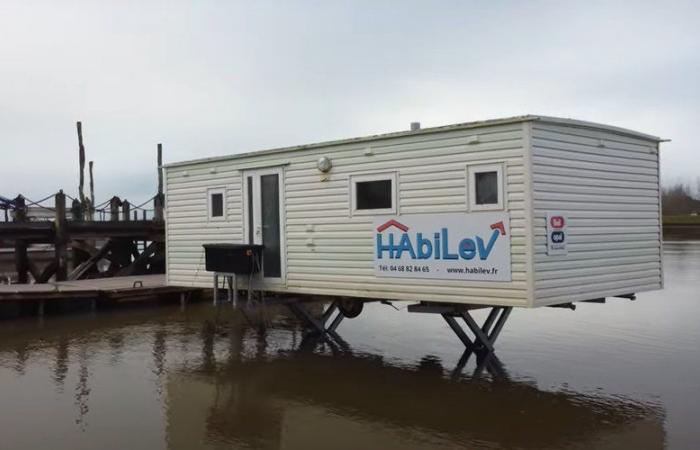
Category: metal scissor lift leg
<point>318,325</point>
<point>484,336</point>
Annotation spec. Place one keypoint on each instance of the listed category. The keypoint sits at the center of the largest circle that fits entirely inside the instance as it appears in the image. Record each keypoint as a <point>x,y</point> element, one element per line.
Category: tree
<point>678,200</point>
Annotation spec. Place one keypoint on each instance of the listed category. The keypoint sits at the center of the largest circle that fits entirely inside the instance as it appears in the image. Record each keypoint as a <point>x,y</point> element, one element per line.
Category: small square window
<point>372,194</point>
<point>485,186</point>
<point>216,204</point>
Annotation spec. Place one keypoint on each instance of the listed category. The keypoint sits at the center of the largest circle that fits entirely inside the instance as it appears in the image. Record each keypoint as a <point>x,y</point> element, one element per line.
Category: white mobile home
<point>525,211</point>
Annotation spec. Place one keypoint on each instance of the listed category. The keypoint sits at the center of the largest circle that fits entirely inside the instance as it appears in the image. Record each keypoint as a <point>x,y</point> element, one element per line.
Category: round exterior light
<point>324,164</point>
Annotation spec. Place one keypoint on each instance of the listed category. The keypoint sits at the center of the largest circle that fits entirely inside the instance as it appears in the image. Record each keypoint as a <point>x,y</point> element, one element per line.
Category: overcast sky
<point>213,78</point>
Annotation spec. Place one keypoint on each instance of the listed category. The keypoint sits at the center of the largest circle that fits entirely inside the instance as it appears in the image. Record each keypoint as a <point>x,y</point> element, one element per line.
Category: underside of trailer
<point>478,339</point>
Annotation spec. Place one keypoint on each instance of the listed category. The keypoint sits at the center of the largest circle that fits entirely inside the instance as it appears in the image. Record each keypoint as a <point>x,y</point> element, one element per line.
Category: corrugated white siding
<point>338,260</point>
<point>608,185</point>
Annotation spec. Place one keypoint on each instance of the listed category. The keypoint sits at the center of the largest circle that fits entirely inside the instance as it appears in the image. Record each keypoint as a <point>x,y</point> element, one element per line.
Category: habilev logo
<point>435,247</point>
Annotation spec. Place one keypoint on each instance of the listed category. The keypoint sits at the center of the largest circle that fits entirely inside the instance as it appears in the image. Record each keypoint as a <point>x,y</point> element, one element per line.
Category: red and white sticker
<point>556,234</point>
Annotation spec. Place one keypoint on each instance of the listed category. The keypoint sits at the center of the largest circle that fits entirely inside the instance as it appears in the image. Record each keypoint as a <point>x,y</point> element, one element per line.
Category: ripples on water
<point>620,375</point>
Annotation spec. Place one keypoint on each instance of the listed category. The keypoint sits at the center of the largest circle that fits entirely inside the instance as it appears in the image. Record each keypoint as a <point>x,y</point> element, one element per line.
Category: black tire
<point>350,308</point>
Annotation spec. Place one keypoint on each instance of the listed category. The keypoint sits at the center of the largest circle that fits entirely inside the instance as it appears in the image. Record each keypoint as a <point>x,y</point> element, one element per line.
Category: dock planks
<point>128,288</point>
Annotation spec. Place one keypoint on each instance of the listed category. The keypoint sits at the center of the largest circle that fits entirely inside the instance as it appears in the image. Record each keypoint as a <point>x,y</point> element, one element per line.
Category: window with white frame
<point>216,204</point>
<point>485,186</point>
<point>373,194</point>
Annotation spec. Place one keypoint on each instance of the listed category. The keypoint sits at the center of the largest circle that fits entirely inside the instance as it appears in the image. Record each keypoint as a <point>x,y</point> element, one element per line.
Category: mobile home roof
<point>458,126</point>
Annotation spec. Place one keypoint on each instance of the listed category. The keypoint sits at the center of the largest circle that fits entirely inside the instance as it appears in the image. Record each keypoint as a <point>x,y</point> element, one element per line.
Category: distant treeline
<point>679,200</point>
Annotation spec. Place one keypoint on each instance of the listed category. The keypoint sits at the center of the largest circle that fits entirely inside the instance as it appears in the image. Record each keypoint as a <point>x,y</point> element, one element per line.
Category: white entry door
<point>263,205</point>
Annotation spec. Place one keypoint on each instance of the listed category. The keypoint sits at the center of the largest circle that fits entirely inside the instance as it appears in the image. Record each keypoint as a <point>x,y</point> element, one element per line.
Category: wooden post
<point>114,204</point>
<point>126,211</point>
<point>92,193</point>
<point>21,260</point>
<point>160,170</point>
<point>84,212</point>
<point>88,210</point>
<point>159,199</point>
<point>76,210</point>
<point>81,157</point>
<point>61,238</point>
<point>136,215</point>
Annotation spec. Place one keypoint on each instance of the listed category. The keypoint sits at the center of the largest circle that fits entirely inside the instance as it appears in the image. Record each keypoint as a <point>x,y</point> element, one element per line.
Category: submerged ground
<point>620,375</point>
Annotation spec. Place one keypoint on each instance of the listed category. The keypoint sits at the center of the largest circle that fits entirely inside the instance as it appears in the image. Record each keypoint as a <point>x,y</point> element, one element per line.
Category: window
<point>373,194</point>
<point>485,187</point>
<point>217,204</point>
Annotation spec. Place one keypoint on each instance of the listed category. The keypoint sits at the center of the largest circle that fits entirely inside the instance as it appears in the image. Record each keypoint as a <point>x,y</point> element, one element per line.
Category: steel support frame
<point>488,361</point>
<point>322,326</point>
<point>485,335</point>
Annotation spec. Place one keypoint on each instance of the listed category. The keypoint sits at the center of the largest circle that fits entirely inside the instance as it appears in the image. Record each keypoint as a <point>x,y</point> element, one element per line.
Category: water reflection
<point>82,389</point>
<point>619,375</point>
<point>305,399</point>
<point>220,382</point>
<point>60,369</point>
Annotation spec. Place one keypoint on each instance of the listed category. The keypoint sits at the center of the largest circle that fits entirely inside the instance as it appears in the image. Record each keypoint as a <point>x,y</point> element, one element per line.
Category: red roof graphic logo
<point>392,223</point>
<point>500,227</point>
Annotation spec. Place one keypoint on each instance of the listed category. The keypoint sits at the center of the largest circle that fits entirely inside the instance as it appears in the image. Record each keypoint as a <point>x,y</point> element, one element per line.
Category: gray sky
<point>211,78</point>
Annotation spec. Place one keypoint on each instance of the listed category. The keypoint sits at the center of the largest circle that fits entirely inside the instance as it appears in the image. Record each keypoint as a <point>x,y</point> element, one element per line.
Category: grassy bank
<point>681,220</point>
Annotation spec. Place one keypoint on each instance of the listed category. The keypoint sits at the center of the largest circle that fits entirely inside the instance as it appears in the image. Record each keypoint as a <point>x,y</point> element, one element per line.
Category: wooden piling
<point>21,260</point>
<point>92,193</point>
<point>126,211</point>
<point>81,157</point>
<point>159,199</point>
<point>114,204</point>
<point>61,239</point>
<point>158,202</point>
<point>160,171</point>
<point>76,210</point>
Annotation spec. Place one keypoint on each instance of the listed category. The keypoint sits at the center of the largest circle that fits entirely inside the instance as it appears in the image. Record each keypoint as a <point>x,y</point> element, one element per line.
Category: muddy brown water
<point>620,375</point>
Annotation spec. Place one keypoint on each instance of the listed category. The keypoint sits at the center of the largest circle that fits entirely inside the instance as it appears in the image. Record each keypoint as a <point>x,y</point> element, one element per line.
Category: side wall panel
<point>608,186</point>
<point>328,251</point>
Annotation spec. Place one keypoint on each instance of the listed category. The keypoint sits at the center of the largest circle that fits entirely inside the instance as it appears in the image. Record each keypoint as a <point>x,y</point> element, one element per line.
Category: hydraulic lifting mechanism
<point>232,261</point>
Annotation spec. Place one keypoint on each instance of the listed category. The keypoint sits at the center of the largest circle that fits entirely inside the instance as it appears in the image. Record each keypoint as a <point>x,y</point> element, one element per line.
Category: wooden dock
<point>107,290</point>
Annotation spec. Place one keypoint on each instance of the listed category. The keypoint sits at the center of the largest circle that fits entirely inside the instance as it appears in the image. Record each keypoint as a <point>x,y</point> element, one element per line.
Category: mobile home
<point>518,212</point>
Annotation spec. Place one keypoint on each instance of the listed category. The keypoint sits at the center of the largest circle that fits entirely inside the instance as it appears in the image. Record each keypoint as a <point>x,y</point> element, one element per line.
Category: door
<point>263,206</point>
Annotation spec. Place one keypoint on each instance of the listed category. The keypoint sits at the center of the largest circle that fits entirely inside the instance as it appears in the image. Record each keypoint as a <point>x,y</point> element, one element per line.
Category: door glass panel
<point>250,211</point>
<point>270,215</point>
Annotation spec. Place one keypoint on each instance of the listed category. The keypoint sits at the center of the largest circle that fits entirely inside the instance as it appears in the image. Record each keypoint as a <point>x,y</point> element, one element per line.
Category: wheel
<point>350,308</point>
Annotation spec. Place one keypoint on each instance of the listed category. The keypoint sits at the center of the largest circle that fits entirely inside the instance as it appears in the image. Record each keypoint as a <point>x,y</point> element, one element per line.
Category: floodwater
<point>625,374</point>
